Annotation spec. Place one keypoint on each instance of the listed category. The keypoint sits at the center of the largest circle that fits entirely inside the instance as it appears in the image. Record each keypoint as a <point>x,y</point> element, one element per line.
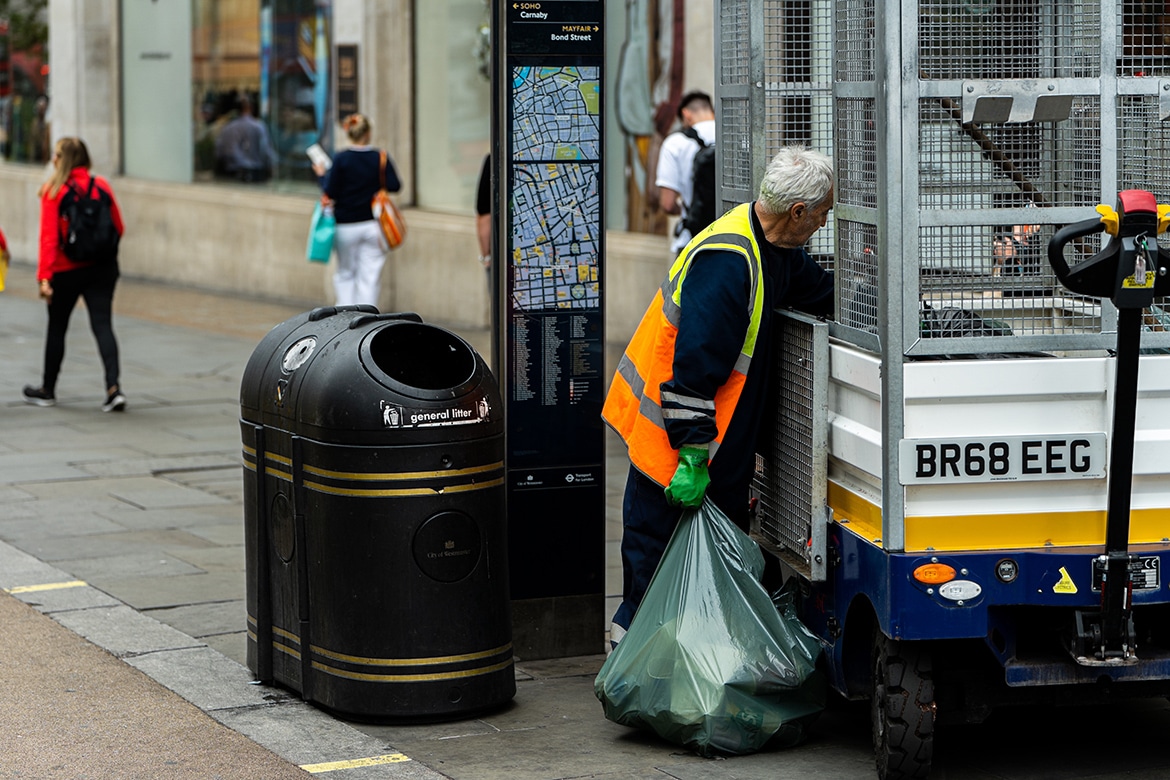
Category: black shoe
<point>38,397</point>
<point>115,401</point>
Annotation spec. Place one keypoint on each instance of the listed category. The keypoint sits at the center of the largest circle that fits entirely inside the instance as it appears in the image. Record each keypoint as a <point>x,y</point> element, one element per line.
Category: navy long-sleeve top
<point>353,180</point>
<point>713,324</point>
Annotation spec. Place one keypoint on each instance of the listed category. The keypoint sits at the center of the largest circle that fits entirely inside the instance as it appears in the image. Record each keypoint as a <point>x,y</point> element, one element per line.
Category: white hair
<point>797,174</point>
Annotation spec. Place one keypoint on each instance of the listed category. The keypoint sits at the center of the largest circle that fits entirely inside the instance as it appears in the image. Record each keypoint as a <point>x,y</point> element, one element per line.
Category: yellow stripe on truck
<point>1022,530</point>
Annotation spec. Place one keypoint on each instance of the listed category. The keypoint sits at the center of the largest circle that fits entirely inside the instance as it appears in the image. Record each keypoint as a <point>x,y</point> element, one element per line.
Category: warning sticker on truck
<point>1002,458</point>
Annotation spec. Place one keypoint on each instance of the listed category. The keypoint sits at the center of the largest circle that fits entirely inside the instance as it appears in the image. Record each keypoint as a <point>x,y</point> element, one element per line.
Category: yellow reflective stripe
<point>733,232</point>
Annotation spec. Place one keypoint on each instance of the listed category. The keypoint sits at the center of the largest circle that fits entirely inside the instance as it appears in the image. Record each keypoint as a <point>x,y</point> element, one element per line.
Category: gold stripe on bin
<point>390,492</point>
<point>366,476</point>
<point>386,477</point>
<point>395,678</point>
<point>442,659</point>
<point>477,655</point>
<point>429,677</point>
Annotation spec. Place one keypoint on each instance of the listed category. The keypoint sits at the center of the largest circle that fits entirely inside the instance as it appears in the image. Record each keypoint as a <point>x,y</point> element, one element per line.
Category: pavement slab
<point>110,545</point>
<point>124,632</point>
<point>148,592</point>
<point>205,620</point>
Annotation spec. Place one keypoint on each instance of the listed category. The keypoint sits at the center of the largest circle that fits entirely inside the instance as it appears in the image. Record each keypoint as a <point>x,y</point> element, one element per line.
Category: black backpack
<point>89,234</point>
<point>701,209</point>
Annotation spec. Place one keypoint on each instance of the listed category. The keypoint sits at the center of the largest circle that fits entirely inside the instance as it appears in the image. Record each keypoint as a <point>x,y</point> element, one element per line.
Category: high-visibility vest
<point>633,407</point>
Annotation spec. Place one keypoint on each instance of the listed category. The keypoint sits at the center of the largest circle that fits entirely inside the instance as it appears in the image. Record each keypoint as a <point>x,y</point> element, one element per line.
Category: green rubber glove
<point>690,480</point>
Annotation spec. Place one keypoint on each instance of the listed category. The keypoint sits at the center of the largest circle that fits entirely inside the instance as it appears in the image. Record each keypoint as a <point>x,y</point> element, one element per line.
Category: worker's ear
<point>797,210</point>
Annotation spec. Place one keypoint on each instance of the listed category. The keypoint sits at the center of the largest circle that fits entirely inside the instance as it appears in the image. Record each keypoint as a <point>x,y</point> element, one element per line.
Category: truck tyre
<point>902,709</point>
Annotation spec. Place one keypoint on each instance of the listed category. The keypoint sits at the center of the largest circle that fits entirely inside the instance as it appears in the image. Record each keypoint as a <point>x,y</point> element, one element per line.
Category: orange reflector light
<point>934,573</point>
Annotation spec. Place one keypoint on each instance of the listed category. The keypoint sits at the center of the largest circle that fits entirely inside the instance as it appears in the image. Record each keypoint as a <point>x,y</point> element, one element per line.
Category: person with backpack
<point>81,227</point>
<point>687,157</point>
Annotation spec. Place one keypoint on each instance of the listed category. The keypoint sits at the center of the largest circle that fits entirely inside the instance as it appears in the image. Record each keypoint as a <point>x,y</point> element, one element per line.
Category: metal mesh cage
<point>854,44</point>
<point>798,83</point>
<point>734,42</point>
<point>1143,145</point>
<point>855,154</point>
<point>1143,39</point>
<point>790,470</point>
<point>735,143</point>
<point>1008,39</point>
<point>989,166</point>
<point>857,264</point>
<point>1010,124</point>
<point>1012,289</point>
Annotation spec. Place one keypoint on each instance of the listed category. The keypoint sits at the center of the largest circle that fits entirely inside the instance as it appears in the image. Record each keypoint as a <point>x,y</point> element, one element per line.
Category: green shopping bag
<point>321,229</point>
<point>710,662</point>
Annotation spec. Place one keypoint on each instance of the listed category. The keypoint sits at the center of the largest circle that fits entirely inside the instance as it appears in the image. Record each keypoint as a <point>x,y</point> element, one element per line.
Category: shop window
<point>270,58</point>
<point>24,84</point>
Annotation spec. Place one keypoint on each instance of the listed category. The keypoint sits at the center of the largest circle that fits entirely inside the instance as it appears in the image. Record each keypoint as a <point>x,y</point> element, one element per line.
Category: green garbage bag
<point>710,662</point>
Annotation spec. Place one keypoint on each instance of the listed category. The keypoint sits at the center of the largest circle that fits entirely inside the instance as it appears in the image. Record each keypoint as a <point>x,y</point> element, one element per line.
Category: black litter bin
<point>376,543</point>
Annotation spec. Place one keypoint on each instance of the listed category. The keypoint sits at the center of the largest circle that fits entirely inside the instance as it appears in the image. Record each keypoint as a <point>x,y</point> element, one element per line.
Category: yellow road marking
<point>333,766</point>
<point>47,586</point>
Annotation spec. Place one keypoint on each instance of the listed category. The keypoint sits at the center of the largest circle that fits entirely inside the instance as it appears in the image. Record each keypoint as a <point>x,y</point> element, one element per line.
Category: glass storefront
<point>269,58</point>
<point>452,111</point>
<point>24,86</point>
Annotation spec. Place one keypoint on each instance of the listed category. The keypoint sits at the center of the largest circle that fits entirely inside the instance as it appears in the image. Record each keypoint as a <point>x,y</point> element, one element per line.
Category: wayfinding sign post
<point>549,235</point>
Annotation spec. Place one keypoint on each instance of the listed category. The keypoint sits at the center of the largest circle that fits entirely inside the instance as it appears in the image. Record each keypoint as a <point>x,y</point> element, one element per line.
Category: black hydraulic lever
<point>1131,270</point>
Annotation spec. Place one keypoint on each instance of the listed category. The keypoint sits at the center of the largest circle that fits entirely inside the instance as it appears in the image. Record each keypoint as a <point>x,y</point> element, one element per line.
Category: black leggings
<point>95,284</point>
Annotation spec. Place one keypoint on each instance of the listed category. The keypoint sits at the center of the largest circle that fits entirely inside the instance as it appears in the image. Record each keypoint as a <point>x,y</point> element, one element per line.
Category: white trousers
<point>360,257</point>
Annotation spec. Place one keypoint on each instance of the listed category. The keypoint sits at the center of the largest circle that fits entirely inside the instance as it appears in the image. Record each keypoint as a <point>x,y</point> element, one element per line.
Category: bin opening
<point>421,356</point>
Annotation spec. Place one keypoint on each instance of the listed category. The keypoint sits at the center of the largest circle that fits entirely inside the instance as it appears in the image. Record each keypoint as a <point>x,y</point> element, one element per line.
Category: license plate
<point>1002,458</point>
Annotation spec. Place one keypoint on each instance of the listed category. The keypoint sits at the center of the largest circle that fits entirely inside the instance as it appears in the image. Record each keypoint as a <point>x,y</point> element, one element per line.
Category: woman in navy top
<point>351,184</point>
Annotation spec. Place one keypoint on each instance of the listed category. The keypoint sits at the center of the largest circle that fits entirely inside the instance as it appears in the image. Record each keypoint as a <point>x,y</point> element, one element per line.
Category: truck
<point>967,473</point>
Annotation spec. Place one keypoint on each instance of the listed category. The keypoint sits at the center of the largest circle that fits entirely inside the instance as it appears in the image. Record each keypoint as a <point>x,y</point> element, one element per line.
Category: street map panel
<point>556,200</point>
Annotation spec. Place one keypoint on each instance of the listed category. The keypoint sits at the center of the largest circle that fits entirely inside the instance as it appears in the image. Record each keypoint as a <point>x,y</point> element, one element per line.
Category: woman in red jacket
<point>3,259</point>
<point>63,280</point>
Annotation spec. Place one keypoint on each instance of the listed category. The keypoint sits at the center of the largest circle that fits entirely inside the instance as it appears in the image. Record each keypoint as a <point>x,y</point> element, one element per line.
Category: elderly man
<point>690,391</point>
